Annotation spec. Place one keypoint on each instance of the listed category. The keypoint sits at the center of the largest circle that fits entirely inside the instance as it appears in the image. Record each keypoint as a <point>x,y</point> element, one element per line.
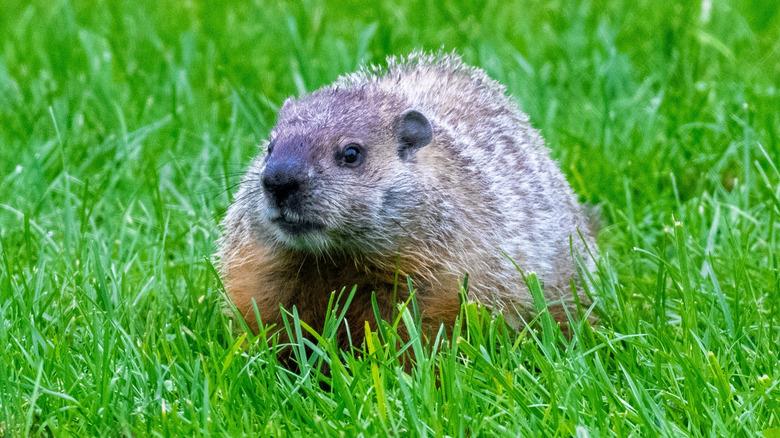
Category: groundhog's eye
<point>352,155</point>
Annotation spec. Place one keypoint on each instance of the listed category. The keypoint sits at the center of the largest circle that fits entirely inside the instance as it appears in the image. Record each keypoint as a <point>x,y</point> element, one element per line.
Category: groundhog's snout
<point>283,181</point>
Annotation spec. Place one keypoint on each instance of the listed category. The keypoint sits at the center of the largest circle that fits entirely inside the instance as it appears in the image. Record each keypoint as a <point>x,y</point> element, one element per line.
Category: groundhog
<point>423,170</point>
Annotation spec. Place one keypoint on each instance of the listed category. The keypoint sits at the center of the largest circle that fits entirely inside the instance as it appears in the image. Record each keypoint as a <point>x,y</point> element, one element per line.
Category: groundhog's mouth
<point>297,227</point>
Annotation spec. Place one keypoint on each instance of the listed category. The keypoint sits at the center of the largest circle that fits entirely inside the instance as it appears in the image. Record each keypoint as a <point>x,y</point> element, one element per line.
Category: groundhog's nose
<point>282,180</point>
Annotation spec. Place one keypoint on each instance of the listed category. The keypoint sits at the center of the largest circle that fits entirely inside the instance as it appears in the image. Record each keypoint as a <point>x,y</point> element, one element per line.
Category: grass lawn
<point>124,129</point>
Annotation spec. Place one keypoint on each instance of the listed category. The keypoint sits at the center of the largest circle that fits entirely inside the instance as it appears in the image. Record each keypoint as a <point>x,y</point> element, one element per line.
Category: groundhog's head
<point>339,171</point>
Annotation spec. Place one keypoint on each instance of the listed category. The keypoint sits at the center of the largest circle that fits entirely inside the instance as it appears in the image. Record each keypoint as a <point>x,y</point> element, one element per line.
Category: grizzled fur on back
<point>482,195</point>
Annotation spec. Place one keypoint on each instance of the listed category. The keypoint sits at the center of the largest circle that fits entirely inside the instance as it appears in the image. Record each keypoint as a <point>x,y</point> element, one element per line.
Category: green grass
<point>124,128</point>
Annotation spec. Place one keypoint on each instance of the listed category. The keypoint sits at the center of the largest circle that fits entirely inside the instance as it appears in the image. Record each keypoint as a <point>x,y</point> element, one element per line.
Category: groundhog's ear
<point>413,132</point>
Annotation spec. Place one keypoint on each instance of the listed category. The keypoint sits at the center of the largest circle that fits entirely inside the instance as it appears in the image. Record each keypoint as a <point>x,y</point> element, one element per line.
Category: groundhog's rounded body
<point>427,170</point>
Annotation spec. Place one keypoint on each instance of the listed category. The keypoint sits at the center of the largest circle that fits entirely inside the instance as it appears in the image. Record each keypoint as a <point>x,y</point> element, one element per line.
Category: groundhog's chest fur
<point>425,171</point>
<point>319,283</point>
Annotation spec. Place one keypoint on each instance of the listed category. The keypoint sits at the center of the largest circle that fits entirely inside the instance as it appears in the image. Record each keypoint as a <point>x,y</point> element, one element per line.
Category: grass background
<point>124,127</point>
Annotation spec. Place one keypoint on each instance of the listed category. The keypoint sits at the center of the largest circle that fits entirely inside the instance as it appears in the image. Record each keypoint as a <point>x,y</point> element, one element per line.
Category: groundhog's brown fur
<point>449,179</point>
